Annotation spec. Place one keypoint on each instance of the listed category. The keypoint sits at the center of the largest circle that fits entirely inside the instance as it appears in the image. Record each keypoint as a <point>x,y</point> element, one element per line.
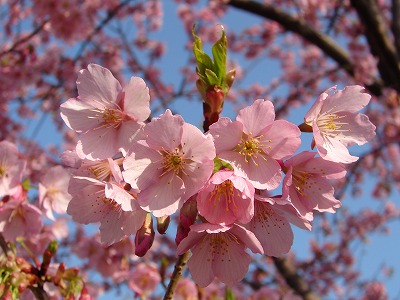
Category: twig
<point>25,39</point>
<point>176,275</point>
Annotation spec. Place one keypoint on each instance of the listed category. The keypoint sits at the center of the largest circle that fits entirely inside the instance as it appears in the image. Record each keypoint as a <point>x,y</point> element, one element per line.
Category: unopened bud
<point>162,224</point>
<point>188,212</point>
<point>144,237</point>
<point>230,77</point>
<point>187,217</point>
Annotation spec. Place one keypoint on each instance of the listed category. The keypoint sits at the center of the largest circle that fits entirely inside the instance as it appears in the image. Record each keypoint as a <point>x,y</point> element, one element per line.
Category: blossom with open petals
<point>254,142</point>
<point>271,227</point>
<point>53,191</point>
<point>11,168</point>
<point>116,209</point>
<point>108,116</point>
<point>337,125</point>
<point>219,251</point>
<point>226,198</point>
<point>173,163</point>
<point>307,183</point>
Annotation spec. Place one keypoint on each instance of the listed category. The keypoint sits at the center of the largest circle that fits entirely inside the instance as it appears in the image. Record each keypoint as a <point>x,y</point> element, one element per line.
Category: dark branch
<point>377,36</point>
<point>293,279</point>
<point>396,24</point>
<point>299,26</point>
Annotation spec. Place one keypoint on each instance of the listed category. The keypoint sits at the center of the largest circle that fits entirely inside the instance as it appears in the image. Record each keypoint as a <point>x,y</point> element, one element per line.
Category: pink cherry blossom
<point>53,191</point>
<point>107,116</point>
<point>115,208</point>
<point>337,125</point>
<point>254,142</point>
<point>185,290</point>
<point>218,251</point>
<point>11,168</point>
<point>144,279</point>
<point>226,198</point>
<point>170,165</point>
<point>271,227</point>
<point>101,169</point>
<point>18,218</point>
<point>307,183</point>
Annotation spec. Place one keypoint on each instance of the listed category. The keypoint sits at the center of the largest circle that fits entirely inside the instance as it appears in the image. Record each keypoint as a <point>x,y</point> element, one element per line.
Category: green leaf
<point>219,164</point>
<point>219,50</point>
<point>212,78</point>
<point>229,295</point>
<point>203,60</point>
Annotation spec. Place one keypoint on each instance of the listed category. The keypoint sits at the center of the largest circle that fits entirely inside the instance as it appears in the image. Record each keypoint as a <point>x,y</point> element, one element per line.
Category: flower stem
<point>176,275</point>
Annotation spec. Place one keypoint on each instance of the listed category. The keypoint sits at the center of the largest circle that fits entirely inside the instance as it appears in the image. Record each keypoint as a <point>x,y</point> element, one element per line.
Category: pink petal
<point>165,131</point>
<point>163,198</point>
<point>142,167</point>
<point>98,144</point>
<point>79,116</point>
<point>226,134</point>
<point>200,264</point>
<point>280,139</point>
<point>256,116</point>
<point>97,86</point>
<point>351,99</point>
<point>248,238</point>
<point>196,145</point>
<point>137,99</point>
<point>272,230</point>
<point>128,133</point>
<point>230,264</point>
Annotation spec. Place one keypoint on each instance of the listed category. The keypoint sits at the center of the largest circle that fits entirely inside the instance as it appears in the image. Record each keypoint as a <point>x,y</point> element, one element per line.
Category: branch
<point>176,275</point>
<point>377,36</point>
<point>110,15</point>
<point>25,39</point>
<point>4,246</point>
<point>299,26</point>
<point>293,279</point>
<point>396,24</point>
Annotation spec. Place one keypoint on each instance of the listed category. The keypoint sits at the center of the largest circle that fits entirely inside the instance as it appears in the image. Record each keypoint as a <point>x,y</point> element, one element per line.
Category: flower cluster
<point>126,170</point>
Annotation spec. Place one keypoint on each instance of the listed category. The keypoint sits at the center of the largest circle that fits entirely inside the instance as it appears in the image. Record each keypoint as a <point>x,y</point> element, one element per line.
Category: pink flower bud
<point>144,237</point>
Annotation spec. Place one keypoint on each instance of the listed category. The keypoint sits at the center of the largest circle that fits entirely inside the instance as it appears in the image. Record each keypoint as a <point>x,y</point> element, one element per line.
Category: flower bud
<point>144,237</point>
<point>162,224</point>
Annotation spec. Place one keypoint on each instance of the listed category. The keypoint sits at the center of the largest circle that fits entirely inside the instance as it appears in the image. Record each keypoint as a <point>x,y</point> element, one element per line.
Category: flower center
<point>331,124</point>
<point>224,192</point>
<point>173,161</point>
<point>302,181</point>
<point>251,148</point>
<point>112,117</point>
<point>2,171</point>
<point>218,245</point>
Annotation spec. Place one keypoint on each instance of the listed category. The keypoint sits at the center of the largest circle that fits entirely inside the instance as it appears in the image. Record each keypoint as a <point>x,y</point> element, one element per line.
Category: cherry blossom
<point>307,183</point>
<point>116,209</point>
<point>270,224</point>
<point>337,125</point>
<point>53,191</point>
<point>107,116</point>
<point>18,218</point>
<point>226,198</point>
<point>170,165</point>
<point>11,168</point>
<point>254,142</point>
<point>144,279</point>
<point>218,252</point>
